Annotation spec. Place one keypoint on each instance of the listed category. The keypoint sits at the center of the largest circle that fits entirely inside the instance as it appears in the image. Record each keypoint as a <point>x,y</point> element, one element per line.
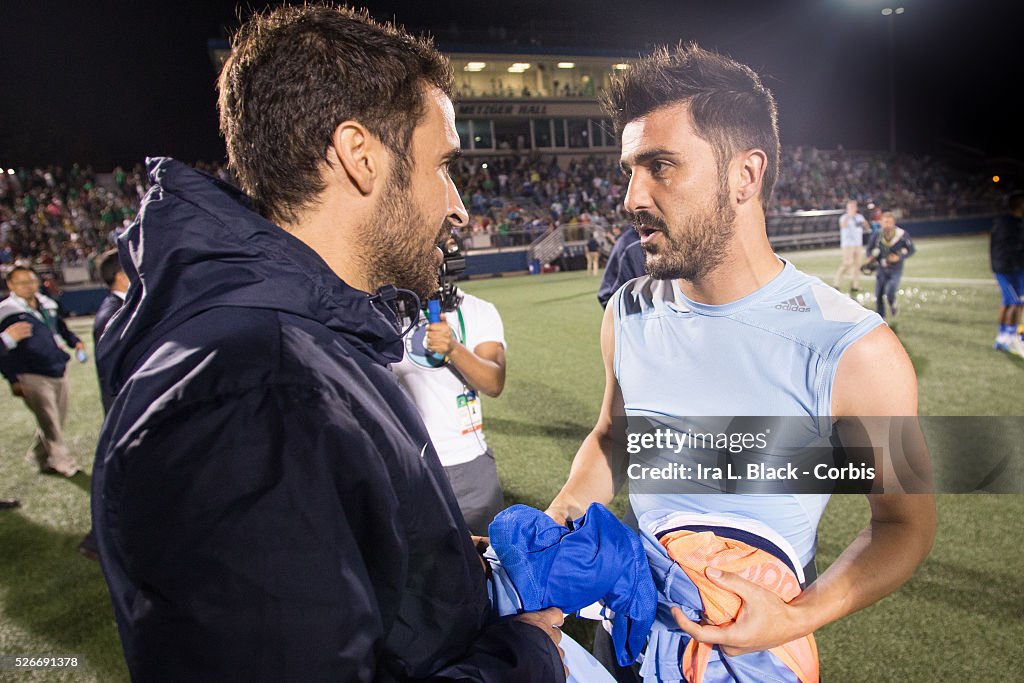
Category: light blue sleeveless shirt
<point>771,353</point>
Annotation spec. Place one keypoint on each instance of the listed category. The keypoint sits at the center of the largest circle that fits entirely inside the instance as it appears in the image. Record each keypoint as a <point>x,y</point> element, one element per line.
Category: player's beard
<point>397,249</point>
<point>696,246</point>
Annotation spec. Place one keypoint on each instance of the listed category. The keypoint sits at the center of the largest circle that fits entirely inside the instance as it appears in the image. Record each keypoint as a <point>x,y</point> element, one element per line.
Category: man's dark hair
<point>109,267</point>
<point>295,74</point>
<point>730,107</point>
<point>17,269</point>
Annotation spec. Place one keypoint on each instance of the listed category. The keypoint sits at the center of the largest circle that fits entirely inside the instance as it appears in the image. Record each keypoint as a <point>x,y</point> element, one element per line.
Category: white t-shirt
<point>451,411</point>
<point>851,230</point>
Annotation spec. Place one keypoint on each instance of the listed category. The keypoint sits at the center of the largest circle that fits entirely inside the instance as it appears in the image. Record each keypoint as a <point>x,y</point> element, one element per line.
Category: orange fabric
<point>695,552</point>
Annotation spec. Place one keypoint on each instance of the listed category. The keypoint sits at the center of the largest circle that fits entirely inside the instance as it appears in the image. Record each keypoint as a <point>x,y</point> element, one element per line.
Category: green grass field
<point>960,618</point>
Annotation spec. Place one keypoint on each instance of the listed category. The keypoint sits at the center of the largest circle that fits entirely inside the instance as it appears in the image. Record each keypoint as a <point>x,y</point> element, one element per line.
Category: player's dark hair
<point>295,74</point>
<point>16,269</point>
<point>1015,201</point>
<point>109,267</point>
<point>730,107</point>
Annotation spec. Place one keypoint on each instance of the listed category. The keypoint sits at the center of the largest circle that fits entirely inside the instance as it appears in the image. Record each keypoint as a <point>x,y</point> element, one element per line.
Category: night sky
<point>112,82</point>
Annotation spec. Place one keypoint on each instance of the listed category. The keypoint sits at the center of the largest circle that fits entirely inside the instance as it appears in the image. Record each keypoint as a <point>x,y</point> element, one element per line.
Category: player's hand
<point>548,620</point>
<point>559,514</point>
<point>439,338</point>
<point>16,389</point>
<point>764,621</point>
<point>18,331</point>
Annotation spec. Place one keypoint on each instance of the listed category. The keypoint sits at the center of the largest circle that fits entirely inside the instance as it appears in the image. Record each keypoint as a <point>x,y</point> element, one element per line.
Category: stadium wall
<point>949,226</point>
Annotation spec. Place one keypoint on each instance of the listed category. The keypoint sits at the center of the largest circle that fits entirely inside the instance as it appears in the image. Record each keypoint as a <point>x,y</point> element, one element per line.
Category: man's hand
<point>19,331</point>
<point>16,389</point>
<point>439,338</point>
<point>548,620</point>
<point>481,543</point>
<point>764,621</point>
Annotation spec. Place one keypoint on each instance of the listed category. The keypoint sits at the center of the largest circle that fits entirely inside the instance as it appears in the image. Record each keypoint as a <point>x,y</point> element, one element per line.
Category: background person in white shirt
<point>852,226</point>
<point>469,344</point>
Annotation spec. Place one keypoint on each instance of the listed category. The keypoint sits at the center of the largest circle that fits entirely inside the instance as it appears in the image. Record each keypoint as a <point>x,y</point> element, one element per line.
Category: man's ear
<point>750,167</point>
<point>358,153</point>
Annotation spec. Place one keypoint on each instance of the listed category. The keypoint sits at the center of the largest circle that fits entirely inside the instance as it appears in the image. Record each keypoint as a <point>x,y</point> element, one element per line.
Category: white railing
<point>548,247</point>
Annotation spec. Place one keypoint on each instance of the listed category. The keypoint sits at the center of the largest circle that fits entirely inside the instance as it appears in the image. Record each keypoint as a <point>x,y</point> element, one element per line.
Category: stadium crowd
<point>515,199</point>
<point>55,217</point>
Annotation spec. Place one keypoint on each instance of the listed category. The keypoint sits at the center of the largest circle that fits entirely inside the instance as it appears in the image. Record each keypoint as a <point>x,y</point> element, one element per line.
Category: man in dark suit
<point>117,282</point>
<point>625,262</point>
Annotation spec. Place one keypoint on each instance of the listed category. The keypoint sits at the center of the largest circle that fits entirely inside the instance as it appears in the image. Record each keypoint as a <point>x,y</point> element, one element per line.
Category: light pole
<point>891,14</point>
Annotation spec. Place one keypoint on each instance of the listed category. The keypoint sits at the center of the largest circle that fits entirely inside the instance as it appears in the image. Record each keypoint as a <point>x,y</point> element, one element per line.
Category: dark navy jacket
<point>38,354</point>
<point>902,245</point>
<point>625,262</point>
<point>267,502</point>
<point>110,305</point>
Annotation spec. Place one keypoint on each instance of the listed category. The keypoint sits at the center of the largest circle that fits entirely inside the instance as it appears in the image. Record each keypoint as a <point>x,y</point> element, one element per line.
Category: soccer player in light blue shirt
<point>722,326</point>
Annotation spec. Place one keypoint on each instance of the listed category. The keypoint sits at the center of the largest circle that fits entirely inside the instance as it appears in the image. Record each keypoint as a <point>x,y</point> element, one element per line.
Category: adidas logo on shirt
<point>797,304</point>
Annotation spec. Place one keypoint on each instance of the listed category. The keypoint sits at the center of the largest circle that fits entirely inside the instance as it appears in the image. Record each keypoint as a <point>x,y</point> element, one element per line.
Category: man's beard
<point>695,247</point>
<point>396,253</point>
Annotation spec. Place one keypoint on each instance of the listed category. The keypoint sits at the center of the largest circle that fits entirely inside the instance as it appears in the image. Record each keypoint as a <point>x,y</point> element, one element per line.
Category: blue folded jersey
<point>599,559</point>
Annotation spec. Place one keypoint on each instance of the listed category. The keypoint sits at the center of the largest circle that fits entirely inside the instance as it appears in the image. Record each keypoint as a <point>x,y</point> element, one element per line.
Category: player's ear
<point>750,167</point>
<point>357,153</point>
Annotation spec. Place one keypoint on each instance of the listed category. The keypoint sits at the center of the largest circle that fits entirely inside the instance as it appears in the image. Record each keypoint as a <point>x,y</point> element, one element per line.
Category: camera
<point>452,268</point>
<point>404,304</point>
<point>869,266</point>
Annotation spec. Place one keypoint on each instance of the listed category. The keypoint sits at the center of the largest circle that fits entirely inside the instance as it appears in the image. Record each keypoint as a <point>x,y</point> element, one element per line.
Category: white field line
<point>963,281</point>
<point>951,281</point>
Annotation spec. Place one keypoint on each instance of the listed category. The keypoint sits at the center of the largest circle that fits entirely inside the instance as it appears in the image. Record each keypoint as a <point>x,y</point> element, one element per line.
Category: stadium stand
<point>57,220</point>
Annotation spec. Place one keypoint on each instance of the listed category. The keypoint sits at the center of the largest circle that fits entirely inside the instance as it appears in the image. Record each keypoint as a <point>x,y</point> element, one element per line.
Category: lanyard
<point>40,313</point>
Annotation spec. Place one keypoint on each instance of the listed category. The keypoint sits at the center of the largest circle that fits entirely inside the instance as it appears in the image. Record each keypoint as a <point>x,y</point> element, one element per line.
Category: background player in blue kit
<point>1006,249</point>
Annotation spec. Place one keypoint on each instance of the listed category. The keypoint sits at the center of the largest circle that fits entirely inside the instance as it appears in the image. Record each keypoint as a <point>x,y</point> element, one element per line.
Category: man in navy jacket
<point>35,367</point>
<point>624,263</point>
<point>113,277</point>
<point>267,502</point>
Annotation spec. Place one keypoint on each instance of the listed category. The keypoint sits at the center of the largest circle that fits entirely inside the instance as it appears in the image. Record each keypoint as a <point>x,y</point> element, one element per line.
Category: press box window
<point>482,138</point>
<point>513,134</point>
<point>462,128</point>
<point>542,133</point>
<point>579,135</point>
